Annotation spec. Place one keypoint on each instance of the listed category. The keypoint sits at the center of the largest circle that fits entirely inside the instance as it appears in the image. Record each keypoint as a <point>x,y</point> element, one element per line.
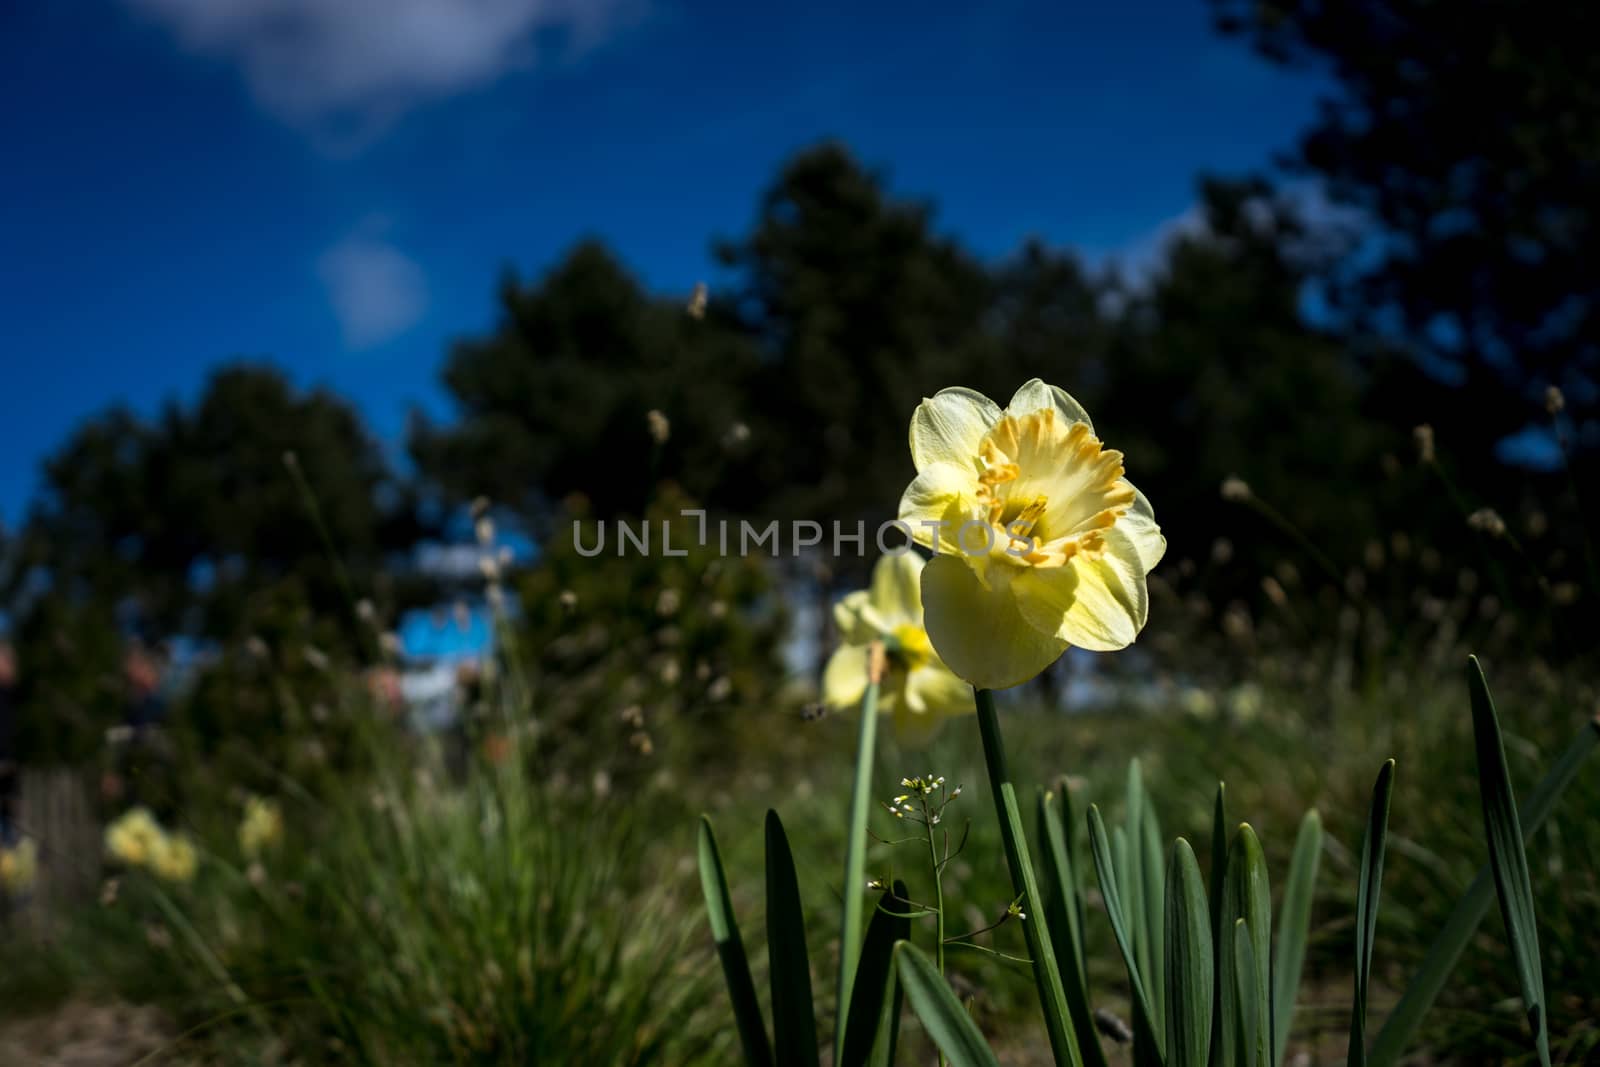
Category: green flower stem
<point>1046,974</point>
<point>855,856</point>
<point>938,902</point>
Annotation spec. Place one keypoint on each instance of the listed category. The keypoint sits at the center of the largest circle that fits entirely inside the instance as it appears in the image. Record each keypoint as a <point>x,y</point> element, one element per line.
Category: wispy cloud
<point>376,291</point>
<point>350,67</point>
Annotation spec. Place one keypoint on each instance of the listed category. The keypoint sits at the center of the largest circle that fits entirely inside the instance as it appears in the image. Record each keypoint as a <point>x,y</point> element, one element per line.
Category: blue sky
<point>336,185</point>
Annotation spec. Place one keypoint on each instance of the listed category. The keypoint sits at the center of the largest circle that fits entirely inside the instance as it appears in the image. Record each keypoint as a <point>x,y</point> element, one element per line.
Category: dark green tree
<point>555,400</point>
<point>1468,135</point>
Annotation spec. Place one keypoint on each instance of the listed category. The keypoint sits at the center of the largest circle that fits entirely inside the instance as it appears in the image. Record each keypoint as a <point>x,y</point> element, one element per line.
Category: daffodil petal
<point>1099,604</point>
<point>1036,395</point>
<point>844,679</point>
<point>1139,523</point>
<point>947,427</point>
<point>980,634</point>
<point>896,591</point>
<point>933,691</point>
<point>938,494</point>
<point>847,618</point>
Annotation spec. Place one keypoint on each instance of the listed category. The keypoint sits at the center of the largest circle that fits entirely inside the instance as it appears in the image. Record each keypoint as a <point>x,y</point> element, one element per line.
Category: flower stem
<point>855,859</point>
<point>1046,974</point>
<point>938,898</point>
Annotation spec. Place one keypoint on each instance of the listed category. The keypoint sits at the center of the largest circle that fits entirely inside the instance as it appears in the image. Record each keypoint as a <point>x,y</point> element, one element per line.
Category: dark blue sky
<point>336,184</point>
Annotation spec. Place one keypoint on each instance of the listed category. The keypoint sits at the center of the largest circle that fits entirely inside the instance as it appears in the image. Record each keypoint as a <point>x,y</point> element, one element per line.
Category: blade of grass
<point>1063,904</point>
<point>1458,929</point>
<point>942,1015</point>
<point>855,856</point>
<point>1294,924</point>
<point>794,1027</point>
<point>1189,965</point>
<point>1111,895</point>
<point>730,950</point>
<point>1374,841</point>
<point>1508,857</point>
<point>876,986</point>
<point>1046,972</point>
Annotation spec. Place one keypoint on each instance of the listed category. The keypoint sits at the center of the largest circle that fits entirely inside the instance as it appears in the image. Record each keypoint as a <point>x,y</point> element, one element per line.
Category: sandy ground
<point>81,1033</point>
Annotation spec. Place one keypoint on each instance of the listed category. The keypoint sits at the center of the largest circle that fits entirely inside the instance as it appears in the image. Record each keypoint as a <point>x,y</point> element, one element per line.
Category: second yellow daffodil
<point>919,691</point>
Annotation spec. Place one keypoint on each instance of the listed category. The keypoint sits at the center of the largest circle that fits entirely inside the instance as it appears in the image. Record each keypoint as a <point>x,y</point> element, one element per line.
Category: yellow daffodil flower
<point>919,690</point>
<point>261,826</point>
<point>134,837</point>
<point>174,858</point>
<point>1043,544</point>
<point>19,866</point>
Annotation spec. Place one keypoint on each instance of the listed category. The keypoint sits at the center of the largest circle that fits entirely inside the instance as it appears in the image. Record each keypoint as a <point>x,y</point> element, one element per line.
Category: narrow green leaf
<point>1248,897</point>
<point>1469,911</point>
<point>875,985</point>
<point>1076,861</point>
<point>1130,858</point>
<point>942,1015</point>
<point>1063,907</point>
<point>1508,857</point>
<point>1245,1004</point>
<point>1152,868</point>
<point>1111,895</point>
<point>855,861</point>
<point>794,1025</point>
<point>1046,973</point>
<point>1131,884</point>
<point>1190,969</point>
<point>1294,925</point>
<point>1374,842</point>
<point>730,950</point>
<point>1219,872</point>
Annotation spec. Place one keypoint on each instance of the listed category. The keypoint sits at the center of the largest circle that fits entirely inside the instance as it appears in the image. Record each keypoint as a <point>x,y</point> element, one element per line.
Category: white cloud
<point>357,64</point>
<point>376,291</point>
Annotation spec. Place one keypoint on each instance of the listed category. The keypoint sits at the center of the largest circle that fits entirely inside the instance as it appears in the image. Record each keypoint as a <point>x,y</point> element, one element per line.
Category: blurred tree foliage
<point>1469,134</point>
<point>553,401</point>
<point>193,523</point>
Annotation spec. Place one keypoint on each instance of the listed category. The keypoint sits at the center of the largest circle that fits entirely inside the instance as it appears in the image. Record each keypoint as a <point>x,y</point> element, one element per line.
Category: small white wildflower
<point>1235,489</point>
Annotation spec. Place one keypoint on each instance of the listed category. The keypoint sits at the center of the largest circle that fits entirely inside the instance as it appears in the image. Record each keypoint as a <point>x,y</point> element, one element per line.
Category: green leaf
<point>1064,908</point>
<point>855,861</point>
<point>1294,925</point>
<point>730,950</point>
<point>1110,893</point>
<point>1469,911</point>
<point>1508,857</point>
<point>1190,969</point>
<point>1219,871</point>
<point>1245,1003</point>
<point>794,1027</point>
<point>1155,957</point>
<point>1248,897</point>
<point>1036,929</point>
<point>1374,841</point>
<point>942,1015</point>
<point>875,987</point>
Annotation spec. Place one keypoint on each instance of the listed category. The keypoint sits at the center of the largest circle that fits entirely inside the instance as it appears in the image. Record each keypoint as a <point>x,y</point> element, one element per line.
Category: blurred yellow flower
<point>919,690</point>
<point>1042,542</point>
<point>174,858</point>
<point>261,827</point>
<point>134,837</point>
<point>19,866</point>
